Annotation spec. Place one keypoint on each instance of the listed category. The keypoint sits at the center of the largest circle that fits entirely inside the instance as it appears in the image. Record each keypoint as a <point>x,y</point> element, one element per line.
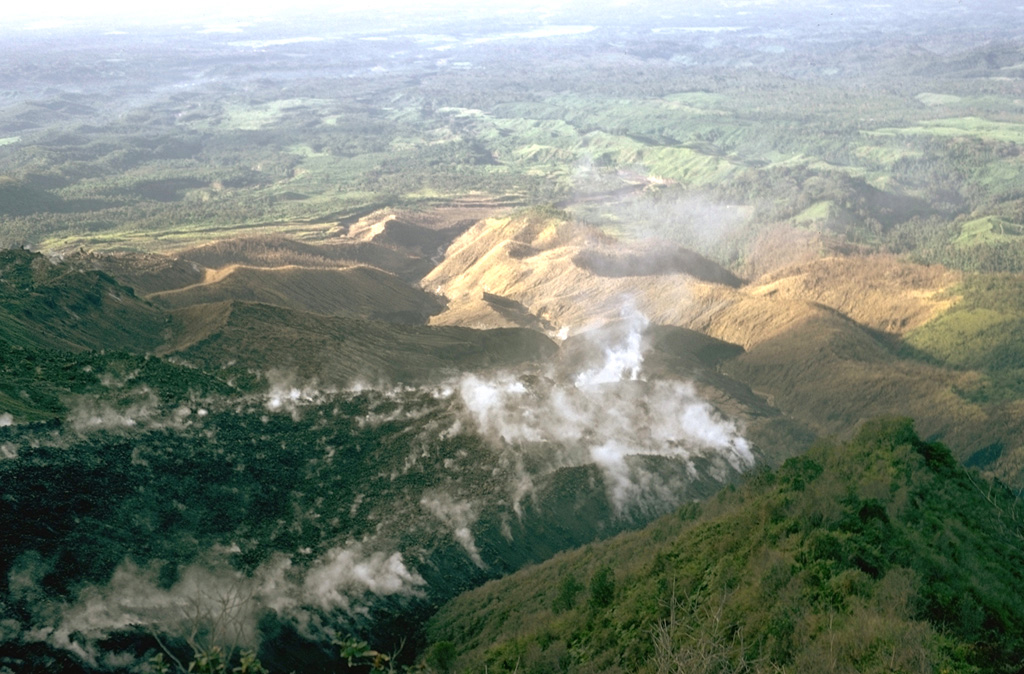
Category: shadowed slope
<point>279,251</point>
<point>344,350</point>
<point>57,305</point>
<point>820,339</point>
<point>352,291</point>
<point>145,272</point>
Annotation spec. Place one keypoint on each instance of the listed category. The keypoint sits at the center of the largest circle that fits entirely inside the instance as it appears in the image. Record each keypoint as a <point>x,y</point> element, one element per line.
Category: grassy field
<point>984,331</point>
<point>988,230</point>
<point>586,118</point>
<point>962,127</point>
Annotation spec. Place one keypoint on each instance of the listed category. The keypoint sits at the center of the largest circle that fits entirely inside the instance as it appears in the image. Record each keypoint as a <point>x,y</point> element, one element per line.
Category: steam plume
<point>210,602</point>
<point>608,416</point>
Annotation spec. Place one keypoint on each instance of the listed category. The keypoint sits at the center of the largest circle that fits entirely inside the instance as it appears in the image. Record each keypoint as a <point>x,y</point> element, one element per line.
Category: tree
<point>602,587</point>
<point>567,591</point>
<point>441,657</point>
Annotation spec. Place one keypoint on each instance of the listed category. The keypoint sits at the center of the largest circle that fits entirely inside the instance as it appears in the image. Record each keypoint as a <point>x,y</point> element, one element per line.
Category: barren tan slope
<point>538,264</point>
<point>352,291</point>
<point>548,267</point>
<point>878,291</point>
<point>329,252</point>
<point>818,336</point>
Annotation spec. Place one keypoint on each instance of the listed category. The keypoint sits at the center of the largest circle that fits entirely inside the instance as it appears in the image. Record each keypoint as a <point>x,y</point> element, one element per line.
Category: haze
<point>118,14</point>
<point>341,310</point>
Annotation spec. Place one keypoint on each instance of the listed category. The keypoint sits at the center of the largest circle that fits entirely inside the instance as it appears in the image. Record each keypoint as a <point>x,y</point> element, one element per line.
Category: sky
<point>41,14</point>
<point>46,13</point>
<point>125,14</point>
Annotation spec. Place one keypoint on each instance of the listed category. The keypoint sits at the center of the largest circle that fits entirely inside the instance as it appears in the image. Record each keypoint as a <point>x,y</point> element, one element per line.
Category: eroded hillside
<point>287,434</point>
<point>822,340</point>
<point>544,384</point>
<point>309,325</point>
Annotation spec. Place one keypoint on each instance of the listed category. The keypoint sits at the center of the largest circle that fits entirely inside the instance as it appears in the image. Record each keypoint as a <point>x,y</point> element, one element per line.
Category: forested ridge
<point>681,339</point>
<point>879,554</point>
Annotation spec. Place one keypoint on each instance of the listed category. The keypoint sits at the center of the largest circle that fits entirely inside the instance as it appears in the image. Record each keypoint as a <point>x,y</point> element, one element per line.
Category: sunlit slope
<point>402,243</point>
<point>565,274</point>
<point>280,251</point>
<point>568,274</point>
<point>880,292</point>
<point>876,555</point>
<point>353,291</point>
<point>821,339</point>
<point>395,241</point>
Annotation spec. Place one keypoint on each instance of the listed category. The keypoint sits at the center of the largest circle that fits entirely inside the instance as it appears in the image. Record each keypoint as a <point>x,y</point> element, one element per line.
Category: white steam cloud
<point>609,415</point>
<point>89,414</point>
<point>606,413</point>
<point>210,602</point>
<point>349,573</point>
<point>142,412</point>
<point>6,419</point>
<point>288,395</point>
<point>622,362</point>
<point>458,516</point>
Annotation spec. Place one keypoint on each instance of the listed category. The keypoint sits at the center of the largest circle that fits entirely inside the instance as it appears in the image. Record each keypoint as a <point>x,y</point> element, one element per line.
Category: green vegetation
<point>49,304</point>
<point>602,588</point>
<point>131,477</point>
<point>990,229</point>
<point>875,555</point>
<point>37,384</point>
<point>860,148</point>
<point>983,331</point>
<point>567,593</point>
<point>961,127</point>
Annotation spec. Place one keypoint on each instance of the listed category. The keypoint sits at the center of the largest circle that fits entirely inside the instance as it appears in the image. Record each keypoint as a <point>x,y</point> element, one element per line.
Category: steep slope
<point>881,292</point>
<point>327,252</point>
<point>54,304</point>
<point>832,374</point>
<point>48,385</point>
<point>343,351</point>
<point>981,337</point>
<point>333,509</point>
<point>565,274</point>
<point>351,291</point>
<point>821,339</point>
<point>875,555</point>
<point>405,232</point>
<point>144,272</point>
<point>236,339</point>
<point>568,275</point>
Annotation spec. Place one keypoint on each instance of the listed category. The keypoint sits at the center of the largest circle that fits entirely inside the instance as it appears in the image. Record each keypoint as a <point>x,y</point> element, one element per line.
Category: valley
<point>548,340</point>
